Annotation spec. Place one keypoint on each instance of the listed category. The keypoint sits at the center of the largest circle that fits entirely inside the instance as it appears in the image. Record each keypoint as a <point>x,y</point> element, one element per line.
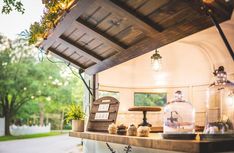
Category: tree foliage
<point>53,12</point>
<point>150,99</point>
<point>26,83</point>
<point>16,76</point>
<point>10,5</point>
<point>57,88</point>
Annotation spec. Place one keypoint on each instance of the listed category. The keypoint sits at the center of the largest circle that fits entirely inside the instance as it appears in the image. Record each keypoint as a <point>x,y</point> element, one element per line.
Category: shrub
<point>74,112</point>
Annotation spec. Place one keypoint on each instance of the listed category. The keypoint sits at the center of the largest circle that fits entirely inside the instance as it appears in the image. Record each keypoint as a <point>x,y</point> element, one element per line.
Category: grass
<point>8,138</point>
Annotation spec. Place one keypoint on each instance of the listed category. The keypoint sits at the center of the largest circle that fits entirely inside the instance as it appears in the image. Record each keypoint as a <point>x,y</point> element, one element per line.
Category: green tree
<point>26,83</point>
<point>58,88</point>
<point>16,77</point>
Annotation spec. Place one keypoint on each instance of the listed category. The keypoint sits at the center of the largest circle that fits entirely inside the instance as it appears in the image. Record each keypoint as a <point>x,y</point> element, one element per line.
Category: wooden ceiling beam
<point>80,50</point>
<point>81,26</point>
<point>66,58</point>
<point>138,15</point>
<point>168,36</point>
<point>140,48</point>
<point>132,18</point>
<point>78,9</point>
<point>154,40</point>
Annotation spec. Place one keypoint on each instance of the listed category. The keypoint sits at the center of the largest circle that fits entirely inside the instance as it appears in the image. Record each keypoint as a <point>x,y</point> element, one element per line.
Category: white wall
<point>194,94</point>
<point>2,126</point>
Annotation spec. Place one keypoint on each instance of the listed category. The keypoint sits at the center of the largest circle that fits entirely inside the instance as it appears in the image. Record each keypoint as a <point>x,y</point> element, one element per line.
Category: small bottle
<point>179,116</point>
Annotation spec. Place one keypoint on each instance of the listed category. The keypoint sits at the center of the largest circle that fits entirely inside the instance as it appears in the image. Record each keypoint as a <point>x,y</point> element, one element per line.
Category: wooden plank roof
<point>98,34</point>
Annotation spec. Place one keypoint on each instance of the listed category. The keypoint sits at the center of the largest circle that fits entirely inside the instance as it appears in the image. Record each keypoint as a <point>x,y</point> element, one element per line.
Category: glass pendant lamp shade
<point>156,61</point>
<point>156,65</point>
<point>220,77</point>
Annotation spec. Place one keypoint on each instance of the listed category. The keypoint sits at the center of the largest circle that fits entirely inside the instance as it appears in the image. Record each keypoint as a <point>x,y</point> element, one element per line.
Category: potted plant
<point>76,115</point>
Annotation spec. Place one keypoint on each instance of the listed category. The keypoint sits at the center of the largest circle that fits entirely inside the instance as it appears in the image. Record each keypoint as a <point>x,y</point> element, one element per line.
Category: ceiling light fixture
<point>156,61</point>
<point>220,79</point>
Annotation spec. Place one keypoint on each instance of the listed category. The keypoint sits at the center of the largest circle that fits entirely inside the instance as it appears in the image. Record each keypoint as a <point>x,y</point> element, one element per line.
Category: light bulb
<point>208,1</point>
<point>156,65</point>
<point>63,6</point>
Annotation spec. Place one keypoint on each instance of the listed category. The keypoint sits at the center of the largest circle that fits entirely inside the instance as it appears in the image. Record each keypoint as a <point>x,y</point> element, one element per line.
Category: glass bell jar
<point>220,104</point>
<point>179,116</point>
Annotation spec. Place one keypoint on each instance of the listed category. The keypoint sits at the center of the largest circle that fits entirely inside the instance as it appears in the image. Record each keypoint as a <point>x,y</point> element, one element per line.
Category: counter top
<point>155,141</point>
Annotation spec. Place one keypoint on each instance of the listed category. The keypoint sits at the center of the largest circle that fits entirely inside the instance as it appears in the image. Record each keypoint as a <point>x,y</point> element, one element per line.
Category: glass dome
<point>179,116</point>
<point>220,105</point>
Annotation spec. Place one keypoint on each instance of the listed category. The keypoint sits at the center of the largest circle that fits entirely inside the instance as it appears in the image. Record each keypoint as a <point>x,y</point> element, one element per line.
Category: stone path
<point>53,144</point>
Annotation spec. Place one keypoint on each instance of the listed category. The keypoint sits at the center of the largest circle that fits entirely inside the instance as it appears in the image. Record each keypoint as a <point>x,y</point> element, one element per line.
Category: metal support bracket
<point>86,85</point>
<point>127,149</point>
<point>216,24</point>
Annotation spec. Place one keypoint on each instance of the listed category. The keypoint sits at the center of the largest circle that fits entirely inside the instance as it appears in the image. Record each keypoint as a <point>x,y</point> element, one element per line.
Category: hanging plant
<point>54,9</point>
<point>36,32</point>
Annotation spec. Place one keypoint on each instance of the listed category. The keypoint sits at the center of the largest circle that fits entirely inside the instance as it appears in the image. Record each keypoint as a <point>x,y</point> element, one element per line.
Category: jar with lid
<point>220,104</point>
<point>179,116</point>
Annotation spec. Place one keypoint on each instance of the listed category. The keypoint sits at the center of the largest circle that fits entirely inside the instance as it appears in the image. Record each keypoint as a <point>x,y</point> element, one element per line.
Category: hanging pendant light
<point>221,76</point>
<point>220,79</point>
<point>156,61</point>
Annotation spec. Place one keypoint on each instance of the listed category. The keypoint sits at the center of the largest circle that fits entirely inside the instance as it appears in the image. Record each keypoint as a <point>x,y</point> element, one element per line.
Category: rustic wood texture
<point>98,34</point>
<point>155,141</point>
<point>102,125</point>
<point>145,108</point>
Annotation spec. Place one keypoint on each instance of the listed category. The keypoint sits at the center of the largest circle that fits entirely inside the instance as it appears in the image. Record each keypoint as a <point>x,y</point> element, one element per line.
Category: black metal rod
<point>128,149</point>
<point>94,86</point>
<point>110,148</point>
<point>86,85</point>
<point>215,22</point>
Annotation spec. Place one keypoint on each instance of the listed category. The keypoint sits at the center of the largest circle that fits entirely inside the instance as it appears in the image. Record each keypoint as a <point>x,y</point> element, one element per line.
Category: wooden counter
<point>155,141</point>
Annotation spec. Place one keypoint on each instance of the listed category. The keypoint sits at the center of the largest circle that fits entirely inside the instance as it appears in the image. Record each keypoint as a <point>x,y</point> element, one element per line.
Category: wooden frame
<point>101,125</point>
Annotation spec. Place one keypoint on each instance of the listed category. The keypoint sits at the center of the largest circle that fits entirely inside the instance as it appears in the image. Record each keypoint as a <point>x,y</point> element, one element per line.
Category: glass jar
<point>179,116</point>
<point>219,111</point>
<point>220,104</point>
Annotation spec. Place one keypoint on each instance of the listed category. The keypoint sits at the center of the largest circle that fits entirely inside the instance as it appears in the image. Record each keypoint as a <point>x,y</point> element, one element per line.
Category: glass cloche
<point>179,116</point>
<point>220,104</point>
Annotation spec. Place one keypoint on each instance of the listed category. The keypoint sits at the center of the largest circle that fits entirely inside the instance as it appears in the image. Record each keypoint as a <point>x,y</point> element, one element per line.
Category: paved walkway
<point>53,144</point>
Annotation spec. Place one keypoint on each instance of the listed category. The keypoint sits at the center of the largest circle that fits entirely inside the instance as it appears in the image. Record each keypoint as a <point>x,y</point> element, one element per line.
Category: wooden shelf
<point>102,120</point>
<point>155,141</point>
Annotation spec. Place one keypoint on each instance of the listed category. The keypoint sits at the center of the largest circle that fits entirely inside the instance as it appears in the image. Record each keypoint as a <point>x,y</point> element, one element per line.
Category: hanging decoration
<point>221,78</point>
<point>53,13</point>
<point>156,61</point>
